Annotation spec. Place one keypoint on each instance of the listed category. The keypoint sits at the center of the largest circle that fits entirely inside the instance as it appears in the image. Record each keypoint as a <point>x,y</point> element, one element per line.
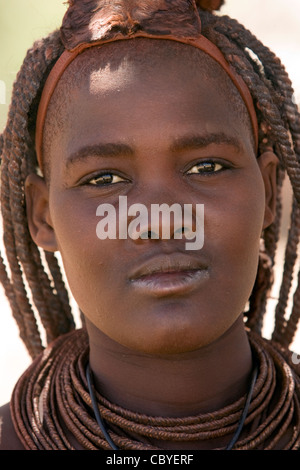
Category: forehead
<point>149,67</point>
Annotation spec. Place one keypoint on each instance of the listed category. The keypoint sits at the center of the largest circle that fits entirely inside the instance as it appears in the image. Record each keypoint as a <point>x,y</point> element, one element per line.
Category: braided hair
<point>33,279</point>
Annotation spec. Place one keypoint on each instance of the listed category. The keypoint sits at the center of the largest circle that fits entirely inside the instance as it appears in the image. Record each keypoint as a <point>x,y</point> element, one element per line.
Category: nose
<point>158,215</point>
<point>152,221</point>
<point>160,221</point>
<point>167,222</point>
<point>165,211</point>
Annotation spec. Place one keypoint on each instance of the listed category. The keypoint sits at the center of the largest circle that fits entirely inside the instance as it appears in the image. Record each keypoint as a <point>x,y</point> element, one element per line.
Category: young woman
<point>150,103</point>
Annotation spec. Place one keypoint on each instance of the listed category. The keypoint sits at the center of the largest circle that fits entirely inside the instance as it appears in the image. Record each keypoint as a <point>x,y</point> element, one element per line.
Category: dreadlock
<point>27,268</point>
<point>33,280</point>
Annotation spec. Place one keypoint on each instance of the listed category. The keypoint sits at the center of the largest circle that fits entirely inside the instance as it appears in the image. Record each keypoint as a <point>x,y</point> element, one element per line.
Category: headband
<point>199,42</point>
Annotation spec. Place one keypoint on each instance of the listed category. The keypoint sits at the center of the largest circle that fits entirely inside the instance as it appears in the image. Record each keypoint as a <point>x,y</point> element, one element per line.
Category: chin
<point>174,339</point>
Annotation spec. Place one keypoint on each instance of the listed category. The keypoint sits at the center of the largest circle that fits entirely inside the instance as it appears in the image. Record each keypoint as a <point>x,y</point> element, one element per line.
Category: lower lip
<point>165,284</point>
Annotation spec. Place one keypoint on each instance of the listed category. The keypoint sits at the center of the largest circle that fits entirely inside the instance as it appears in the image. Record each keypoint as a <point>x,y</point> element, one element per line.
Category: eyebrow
<point>201,141</point>
<point>99,150</point>
<point>183,143</point>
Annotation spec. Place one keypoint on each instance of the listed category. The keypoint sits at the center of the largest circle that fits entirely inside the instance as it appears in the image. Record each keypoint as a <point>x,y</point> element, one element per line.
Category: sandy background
<point>275,22</point>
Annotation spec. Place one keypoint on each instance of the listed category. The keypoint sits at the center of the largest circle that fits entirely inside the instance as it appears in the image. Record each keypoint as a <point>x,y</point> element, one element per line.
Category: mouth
<point>167,275</point>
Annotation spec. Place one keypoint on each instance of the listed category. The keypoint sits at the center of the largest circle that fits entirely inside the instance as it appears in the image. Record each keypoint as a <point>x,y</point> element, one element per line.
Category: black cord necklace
<point>108,439</point>
<point>245,411</point>
<point>98,417</point>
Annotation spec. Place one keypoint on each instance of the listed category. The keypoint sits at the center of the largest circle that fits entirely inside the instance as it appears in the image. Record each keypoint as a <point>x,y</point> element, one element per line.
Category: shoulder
<point>8,436</point>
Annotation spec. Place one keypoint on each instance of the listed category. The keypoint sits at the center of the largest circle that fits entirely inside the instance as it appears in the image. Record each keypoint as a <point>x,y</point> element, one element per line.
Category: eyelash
<point>111,175</point>
<point>212,163</point>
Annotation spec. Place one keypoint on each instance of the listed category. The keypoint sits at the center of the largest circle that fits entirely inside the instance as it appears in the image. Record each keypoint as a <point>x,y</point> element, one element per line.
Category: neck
<point>172,385</point>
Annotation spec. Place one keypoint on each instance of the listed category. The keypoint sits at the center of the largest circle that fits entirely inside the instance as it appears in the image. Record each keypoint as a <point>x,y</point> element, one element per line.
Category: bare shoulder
<point>8,437</point>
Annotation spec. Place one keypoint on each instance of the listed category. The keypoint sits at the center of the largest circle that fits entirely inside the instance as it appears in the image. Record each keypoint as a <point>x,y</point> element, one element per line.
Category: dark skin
<point>176,347</point>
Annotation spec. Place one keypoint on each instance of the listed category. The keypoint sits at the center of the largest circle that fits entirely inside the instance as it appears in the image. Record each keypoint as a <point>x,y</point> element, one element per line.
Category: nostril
<point>148,234</point>
<point>179,231</point>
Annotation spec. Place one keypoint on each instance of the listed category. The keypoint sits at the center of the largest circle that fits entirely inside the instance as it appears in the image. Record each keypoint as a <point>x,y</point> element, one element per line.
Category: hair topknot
<point>88,21</point>
<point>204,4</point>
<point>210,5</point>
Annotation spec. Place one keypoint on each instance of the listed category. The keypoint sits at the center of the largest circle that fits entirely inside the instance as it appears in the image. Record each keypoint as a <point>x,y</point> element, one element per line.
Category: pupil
<point>106,179</point>
<point>207,167</point>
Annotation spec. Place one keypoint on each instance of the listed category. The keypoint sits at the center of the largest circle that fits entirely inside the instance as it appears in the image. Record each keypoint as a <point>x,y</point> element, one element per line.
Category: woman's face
<point>159,134</point>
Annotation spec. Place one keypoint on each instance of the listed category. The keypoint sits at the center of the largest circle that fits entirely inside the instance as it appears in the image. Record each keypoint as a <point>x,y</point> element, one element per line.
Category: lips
<point>165,275</point>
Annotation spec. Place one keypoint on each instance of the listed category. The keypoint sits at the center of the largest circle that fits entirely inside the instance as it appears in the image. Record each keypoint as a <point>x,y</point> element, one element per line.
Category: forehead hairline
<point>88,63</point>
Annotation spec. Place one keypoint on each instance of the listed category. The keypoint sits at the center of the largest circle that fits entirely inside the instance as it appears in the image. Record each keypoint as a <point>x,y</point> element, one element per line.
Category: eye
<point>206,167</point>
<point>105,179</point>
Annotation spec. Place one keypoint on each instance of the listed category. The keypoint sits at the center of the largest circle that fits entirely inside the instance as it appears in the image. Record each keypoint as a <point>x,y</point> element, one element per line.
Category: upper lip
<point>167,263</point>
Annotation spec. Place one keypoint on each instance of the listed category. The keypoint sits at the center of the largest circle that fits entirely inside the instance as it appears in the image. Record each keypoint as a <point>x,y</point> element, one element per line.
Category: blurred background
<point>275,23</point>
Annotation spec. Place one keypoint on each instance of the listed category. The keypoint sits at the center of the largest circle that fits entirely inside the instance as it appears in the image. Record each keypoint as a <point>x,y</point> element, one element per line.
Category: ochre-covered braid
<point>23,256</point>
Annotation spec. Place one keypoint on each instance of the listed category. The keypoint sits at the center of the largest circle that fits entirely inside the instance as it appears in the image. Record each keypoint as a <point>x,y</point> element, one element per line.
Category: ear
<point>268,163</point>
<point>38,215</point>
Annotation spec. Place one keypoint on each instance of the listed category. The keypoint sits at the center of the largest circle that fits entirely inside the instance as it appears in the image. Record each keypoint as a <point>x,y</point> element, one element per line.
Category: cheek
<point>82,253</point>
<point>233,231</point>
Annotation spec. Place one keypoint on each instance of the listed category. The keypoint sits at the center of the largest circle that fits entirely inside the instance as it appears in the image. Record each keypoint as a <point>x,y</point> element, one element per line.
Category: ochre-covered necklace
<point>53,397</point>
